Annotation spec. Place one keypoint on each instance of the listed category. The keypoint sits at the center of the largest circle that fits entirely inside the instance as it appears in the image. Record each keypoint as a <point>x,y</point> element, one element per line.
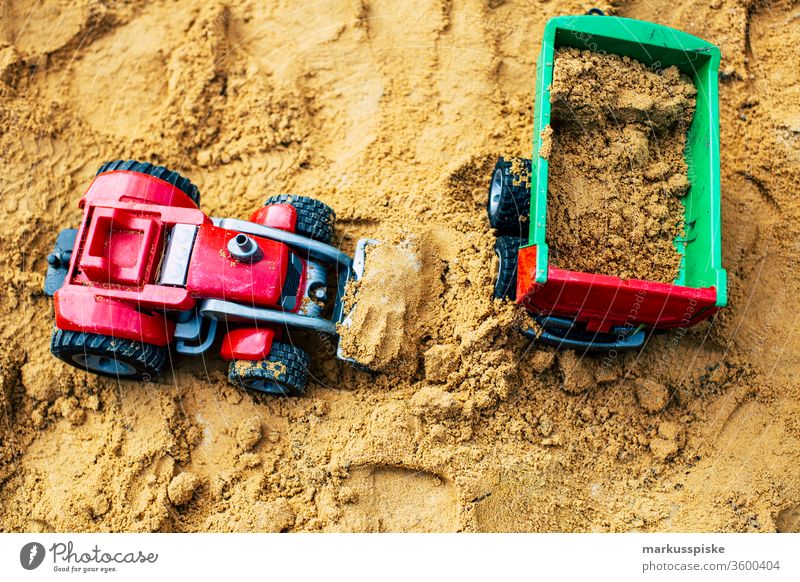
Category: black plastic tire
<point>507,250</point>
<point>174,178</point>
<point>108,356</point>
<point>283,372</point>
<point>509,201</point>
<point>314,218</point>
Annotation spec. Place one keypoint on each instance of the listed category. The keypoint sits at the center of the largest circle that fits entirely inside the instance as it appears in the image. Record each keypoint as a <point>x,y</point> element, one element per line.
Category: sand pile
<point>394,114</point>
<point>389,305</point>
<point>617,168</point>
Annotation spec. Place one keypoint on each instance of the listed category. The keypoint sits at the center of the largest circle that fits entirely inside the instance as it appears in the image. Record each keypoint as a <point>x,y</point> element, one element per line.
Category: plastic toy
<point>587,311</point>
<point>147,269</point>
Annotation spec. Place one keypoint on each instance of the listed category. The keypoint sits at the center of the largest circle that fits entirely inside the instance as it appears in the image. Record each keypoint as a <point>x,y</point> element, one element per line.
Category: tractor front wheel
<point>108,356</point>
<point>315,219</point>
<point>283,372</point>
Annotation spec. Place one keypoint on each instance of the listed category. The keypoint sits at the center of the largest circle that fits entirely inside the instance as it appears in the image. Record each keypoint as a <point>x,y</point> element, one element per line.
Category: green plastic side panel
<point>657,47</point>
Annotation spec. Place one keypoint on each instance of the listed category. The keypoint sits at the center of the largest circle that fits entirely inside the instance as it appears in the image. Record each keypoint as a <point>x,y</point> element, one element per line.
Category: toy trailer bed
<point>591,311</point>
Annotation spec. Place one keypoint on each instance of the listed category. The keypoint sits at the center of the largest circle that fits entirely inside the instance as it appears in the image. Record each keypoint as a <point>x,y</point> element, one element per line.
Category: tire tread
<point>315,219</point>
<point>515,198</point>
<point>171,177</point>
<point>507,250</point>
<point>293,376</point>
<point>148,359</point>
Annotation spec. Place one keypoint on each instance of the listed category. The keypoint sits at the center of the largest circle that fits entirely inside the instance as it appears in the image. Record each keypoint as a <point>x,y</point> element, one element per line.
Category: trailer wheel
<point>507,250</point>
<point>283,372</point>
<point>314,219</point>
<point>174,178</point>
<point>510,196</point>
<point>108,356</point>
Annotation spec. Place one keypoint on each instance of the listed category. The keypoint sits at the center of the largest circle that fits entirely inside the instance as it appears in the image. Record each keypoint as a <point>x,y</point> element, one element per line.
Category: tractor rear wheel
<point>507,250</point>
<point>174,178</point>
<point>315,219</point>
<point>108,356</point>
<point>510,196</point>
<point>283,372</point>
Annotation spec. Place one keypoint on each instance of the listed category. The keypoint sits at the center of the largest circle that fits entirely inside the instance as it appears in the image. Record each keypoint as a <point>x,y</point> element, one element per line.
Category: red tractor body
<point>148,266</point>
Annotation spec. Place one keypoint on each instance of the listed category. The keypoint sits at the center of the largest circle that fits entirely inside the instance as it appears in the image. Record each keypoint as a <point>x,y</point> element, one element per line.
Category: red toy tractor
<point>147,269</point>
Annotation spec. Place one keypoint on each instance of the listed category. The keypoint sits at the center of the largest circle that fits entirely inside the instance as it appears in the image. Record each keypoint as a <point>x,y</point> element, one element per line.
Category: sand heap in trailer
<point>617,169</point>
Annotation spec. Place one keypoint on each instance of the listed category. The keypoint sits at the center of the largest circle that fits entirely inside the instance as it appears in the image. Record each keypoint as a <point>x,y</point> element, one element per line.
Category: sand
<point>390,304</point>
<point>394,115</point>
<point>616,165</point>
